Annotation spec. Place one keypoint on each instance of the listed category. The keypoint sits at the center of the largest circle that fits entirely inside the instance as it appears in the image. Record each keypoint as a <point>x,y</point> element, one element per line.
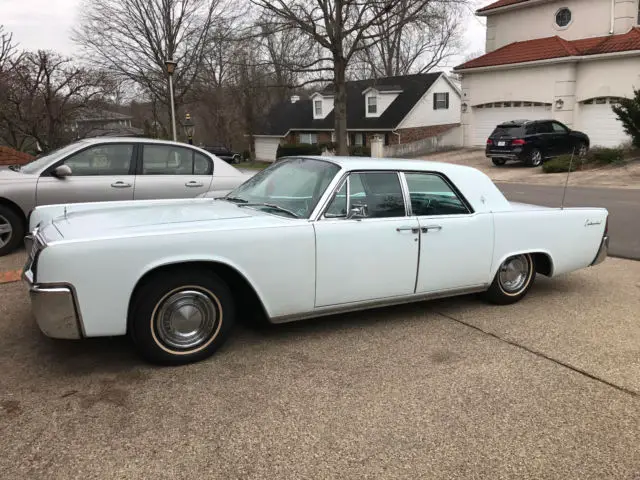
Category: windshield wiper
<point>271,205</point>
<point>234,199</point>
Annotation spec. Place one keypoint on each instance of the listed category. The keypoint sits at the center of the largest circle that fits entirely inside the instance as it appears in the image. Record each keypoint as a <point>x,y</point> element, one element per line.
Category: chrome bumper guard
<point>54,309</point>
<point>602,251</point>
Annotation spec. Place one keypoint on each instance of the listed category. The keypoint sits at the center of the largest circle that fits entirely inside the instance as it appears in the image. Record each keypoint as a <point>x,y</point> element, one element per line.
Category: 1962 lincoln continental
<point>306,237</point>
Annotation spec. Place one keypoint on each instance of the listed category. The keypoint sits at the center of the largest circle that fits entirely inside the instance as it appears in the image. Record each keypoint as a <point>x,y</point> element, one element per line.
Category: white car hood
<point>138,218</point>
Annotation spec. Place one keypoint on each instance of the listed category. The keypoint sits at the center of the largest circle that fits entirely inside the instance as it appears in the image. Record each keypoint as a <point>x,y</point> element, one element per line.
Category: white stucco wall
<point>423,113</point>
<point>608,78</point>
<point>589,18</point>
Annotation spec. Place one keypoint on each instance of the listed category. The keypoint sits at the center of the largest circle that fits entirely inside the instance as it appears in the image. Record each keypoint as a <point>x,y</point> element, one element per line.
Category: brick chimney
<point>9,156</point>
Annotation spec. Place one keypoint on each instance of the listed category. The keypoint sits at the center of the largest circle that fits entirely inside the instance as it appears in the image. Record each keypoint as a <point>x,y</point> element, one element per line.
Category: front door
<point>169,171</point>
<point>99,173</point>
<point>372,255</point>
<point>562,144</point>
<point>456,245</point>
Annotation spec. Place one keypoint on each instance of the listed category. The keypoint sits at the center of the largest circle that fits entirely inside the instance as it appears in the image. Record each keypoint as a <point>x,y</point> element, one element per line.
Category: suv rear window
<point>508,131</point>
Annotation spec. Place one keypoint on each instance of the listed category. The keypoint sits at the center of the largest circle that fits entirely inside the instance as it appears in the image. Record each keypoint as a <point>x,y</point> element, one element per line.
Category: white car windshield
<point>44,161</point>
<point>290,187</point>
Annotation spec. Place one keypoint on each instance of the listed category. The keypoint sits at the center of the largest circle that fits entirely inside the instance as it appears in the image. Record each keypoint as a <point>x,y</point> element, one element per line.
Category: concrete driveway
<point>547,388</point>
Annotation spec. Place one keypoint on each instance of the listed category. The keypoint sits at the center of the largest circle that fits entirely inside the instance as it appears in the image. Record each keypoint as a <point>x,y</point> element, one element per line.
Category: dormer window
<point>317,108</point>
<point>372,105</point>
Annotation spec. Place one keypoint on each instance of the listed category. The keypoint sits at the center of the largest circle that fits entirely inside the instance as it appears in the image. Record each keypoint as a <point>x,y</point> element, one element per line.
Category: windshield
<point>295,185</point>
<point>41,162</point>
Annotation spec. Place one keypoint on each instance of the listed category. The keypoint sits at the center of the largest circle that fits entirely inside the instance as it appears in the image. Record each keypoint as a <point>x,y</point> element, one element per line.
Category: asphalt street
<point>623,205</point>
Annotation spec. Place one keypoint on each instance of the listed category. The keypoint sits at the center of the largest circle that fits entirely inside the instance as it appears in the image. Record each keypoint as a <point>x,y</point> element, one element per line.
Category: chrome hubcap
<point>186,319</point>
<point>514,273</point>
<point>6,231</point>
<point>537,158</point>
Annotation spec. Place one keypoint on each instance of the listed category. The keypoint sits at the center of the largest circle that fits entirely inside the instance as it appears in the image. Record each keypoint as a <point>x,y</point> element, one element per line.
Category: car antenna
<point>564,192</point>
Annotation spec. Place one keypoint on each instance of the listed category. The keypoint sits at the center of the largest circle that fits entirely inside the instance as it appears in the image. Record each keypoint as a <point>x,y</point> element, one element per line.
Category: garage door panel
<point>266,148</point>
<point>602,126</point>
<point>486,119</point>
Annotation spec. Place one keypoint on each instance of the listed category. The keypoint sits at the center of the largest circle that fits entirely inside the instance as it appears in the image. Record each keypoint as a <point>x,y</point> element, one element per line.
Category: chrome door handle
<point>193,184</point>
<point>120,185</point>
<point>407,229</point>
<point>431,227</point>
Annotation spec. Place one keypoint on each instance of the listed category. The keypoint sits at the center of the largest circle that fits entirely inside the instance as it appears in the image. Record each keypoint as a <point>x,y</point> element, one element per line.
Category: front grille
<point>34,245</point>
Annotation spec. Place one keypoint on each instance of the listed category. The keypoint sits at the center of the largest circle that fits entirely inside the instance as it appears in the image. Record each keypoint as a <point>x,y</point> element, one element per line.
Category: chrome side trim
<point>54,309</point>
<point>380,302</point>
<point>602,251</point>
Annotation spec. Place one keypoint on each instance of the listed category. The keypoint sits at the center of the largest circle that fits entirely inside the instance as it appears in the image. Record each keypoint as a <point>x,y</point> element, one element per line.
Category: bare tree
<point>134,38</point>
<point>413,47</point>
<point>7,48</point>
<point>44,91</point>
<point>342,28</point>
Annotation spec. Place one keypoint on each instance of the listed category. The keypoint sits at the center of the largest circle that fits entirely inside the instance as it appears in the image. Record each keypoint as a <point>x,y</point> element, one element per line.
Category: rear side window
<point>544,127</point>
<point>431,195</point>
<point>507,131</point>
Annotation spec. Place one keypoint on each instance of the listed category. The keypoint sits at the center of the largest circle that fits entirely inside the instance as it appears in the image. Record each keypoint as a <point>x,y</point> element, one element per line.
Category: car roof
<point>371,163</point>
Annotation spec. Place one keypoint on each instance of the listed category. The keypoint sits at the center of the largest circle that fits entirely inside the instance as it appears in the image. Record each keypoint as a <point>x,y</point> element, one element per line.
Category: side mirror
<point>357,211</point>
<point>62,171</point>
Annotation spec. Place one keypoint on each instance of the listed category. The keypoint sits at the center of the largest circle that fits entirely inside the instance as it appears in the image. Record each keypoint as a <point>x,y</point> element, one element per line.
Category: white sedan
<point>308,236</point>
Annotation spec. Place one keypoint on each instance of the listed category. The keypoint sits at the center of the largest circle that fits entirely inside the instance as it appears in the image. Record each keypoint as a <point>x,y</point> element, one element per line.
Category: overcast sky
<point>47,24</point>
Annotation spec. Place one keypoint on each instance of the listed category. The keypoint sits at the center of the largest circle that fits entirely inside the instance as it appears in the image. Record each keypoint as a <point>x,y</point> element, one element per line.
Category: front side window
<point>558,128</point>
<point>317,105</point>
<point>107,159</point>
<point>290,187</point>
<point>431,195</point>
<point>167,160</point>
<point>441,101</point>
<point>377,194</point>
<point>372,104</point>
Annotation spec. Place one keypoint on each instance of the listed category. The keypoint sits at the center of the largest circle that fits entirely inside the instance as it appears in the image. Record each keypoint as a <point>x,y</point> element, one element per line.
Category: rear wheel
<point>512,281</point>
<point>180,317</point>
<point>535,158</point>
<point>11,230</point>
<point>499,161</point>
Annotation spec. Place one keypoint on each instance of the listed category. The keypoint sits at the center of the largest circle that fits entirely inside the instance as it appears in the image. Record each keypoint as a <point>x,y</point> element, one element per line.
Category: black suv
<point>224,153</point>
<point>534,141</point>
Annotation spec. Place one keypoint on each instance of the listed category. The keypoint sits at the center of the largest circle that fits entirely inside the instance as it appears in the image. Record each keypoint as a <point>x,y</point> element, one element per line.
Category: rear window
<point>507,131</point>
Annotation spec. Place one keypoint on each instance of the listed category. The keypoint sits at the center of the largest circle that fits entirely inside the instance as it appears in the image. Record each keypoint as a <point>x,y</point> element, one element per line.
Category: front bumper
<point>54,309</point>
<point>602,251</point>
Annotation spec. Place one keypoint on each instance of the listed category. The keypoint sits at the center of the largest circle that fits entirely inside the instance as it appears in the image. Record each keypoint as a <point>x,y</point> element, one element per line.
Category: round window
<point>563,17</point>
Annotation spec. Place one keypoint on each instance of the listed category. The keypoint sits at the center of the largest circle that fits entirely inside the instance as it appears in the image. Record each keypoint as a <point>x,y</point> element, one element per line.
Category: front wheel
<point>181,316</point>
<point>583,150</point>
<point>512,281</point>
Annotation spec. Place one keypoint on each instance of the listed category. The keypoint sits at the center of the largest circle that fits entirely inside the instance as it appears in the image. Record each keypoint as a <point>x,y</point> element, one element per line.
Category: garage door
<point>266,148</point>
<point>596,119</point>
<point>487,116</point>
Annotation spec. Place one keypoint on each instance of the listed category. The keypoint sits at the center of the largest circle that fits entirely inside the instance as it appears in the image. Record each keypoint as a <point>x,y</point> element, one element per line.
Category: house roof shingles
<point>555,47</point>
<point>299,116</point>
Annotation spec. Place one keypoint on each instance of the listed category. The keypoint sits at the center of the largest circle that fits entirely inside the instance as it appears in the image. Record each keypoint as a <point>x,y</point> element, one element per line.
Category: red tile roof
<point>556,47</point>
<point>9,156</point>
<point>498,4</point>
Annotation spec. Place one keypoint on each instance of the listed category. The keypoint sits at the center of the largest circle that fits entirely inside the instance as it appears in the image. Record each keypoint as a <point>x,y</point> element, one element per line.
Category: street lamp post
<point>171,67</point>
<point>189,128</point>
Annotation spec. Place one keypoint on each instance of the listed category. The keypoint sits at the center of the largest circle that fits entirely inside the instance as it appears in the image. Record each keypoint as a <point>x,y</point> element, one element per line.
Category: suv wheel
<point>535,158</point>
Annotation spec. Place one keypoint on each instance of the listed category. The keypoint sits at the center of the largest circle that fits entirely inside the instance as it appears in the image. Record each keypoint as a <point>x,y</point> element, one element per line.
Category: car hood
<point>140,218</point>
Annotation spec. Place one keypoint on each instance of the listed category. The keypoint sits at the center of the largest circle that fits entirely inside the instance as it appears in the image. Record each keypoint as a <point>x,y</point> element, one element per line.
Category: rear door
<point>545,139</point>
<point>171,171</point>
<point>100,173</point>
<point>561,139</point>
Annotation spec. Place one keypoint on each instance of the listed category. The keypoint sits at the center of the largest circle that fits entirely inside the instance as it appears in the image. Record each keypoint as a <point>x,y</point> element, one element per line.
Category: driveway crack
<point>577,370</point>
